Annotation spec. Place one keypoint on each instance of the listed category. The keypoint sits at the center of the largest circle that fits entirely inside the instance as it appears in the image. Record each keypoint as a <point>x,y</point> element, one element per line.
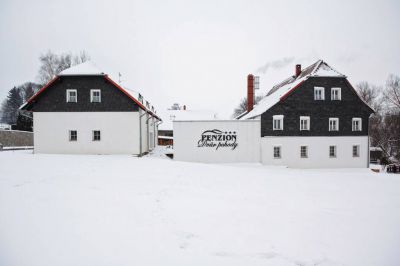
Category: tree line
<point>51,64</point>
<point>384,124</point>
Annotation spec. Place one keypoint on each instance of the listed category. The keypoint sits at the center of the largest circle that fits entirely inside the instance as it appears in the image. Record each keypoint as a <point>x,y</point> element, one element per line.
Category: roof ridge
<point>317,65</point>
<point>280,91</point>
<point>291,77</point>
<point>322,62</point>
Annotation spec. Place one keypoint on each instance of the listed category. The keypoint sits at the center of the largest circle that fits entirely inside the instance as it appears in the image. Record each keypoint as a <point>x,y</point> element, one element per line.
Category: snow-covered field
<point>122,210</point>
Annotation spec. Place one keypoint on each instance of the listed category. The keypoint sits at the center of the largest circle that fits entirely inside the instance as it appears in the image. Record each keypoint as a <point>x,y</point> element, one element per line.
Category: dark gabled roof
<point>311,70</point>
<point>283,89</point>
<point>283,83</point>
<point>86,69</point>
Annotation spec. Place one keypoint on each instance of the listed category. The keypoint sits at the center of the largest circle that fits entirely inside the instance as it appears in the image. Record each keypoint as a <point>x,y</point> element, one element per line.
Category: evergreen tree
<point>10,106</point>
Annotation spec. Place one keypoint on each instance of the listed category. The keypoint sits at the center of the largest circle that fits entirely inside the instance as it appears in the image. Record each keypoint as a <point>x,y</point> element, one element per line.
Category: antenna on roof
<point>256,82</point>
<point>119,77</point>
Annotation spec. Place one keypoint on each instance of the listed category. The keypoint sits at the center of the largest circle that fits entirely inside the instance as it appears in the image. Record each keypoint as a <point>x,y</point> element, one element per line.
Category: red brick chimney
<point>298,70</point>
<point>250,92</point>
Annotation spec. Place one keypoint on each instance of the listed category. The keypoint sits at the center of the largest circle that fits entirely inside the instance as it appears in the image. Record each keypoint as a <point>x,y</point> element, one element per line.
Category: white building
<point>82,110</point>
<point>179,113</point>
<point>313,119</point>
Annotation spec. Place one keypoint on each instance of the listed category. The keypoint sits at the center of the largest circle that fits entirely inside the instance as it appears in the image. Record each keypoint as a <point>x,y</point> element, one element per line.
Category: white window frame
<point>92,96</point>
<point>339,94</point>
<point>322,89</point>
<point>279,147</point>
<point>301,151</point>
<point>336,120</point>
<point>277,118</point>
<point>357,154</point>
<point>68,99</point>
<point>305,118</point>
<point>70,135</point>
<point>93,135</point>
<point>356,119</point>
<point>335,151</point>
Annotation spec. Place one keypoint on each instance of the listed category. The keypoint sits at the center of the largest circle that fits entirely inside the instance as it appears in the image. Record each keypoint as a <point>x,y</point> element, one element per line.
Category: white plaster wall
<point>188,133</point>
<point>149,124</point>
<point>144,117</point>
<point>152,133</point>
<point>318,151</point>
<point>119,132</point>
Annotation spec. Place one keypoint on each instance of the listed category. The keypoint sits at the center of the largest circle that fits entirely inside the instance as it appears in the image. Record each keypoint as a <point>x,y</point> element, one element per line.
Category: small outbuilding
<point>179,113</point>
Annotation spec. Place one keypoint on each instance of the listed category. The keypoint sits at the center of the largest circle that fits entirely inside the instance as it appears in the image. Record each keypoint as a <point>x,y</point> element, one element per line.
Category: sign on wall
<point>217,139</point>
<point>220,141</point>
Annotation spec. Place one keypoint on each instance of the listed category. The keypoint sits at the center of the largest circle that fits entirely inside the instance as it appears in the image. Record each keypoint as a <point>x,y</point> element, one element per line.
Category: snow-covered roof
<point>83,69</point>
<point>165,137</point>
<point>184,115</point>
<point>279,91</point>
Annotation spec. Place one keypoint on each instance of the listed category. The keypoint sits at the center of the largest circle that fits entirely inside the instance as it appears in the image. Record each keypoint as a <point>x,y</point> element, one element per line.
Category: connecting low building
<point>313,119</point>
<point>82,110</point>
<point>179,113</point>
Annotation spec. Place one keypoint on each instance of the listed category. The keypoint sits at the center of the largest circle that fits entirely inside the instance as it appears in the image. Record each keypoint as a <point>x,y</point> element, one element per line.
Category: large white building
<point>313,119</point>
<point>82,110</point>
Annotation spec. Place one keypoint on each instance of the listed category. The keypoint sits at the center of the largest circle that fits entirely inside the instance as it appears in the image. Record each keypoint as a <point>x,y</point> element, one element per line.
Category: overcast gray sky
<point>199,53</point>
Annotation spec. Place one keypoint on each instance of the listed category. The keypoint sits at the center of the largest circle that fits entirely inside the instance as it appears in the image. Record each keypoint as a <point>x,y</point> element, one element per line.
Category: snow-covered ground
<point>123,210</point>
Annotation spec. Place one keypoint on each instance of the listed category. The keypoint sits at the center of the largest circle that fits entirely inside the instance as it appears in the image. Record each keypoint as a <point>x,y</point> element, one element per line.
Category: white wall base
<point>318,151</point>
<point>187,135</point>
<point>252,148</point>
<point>119,132</point>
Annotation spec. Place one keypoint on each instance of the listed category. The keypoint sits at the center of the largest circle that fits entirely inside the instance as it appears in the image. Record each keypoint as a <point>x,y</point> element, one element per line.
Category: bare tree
<point>52,64</point>
<point>48,66</point>
<point>28,89</point>
<point>384,126</point>
<point>392,93</point>
<point>371,94</point>
<point>81,58</point>
<point>242,107</point>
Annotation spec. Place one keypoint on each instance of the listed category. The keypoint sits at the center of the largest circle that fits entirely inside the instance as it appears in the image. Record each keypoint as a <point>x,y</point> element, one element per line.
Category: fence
<point>16,138</point>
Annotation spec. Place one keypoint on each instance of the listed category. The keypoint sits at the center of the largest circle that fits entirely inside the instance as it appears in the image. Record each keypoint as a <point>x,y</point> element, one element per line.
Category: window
<point>356,122</point>
<point>73,135</point>
<point>332,151</point>
<point>304,123</point>
<point>96,135</point>
<point>95,96</point>
<point>303,151</point>
<point>336,94</point>
<point>333,124</point>
<point>277,152</point>
<point>72,96</point>
<point>356,150</point>
<point>319,93</point>
<point>277,122</point>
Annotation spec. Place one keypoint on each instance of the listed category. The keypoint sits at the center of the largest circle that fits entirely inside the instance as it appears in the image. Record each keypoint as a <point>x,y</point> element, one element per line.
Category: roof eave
<point>131,97</point>
<point>99,74</point>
